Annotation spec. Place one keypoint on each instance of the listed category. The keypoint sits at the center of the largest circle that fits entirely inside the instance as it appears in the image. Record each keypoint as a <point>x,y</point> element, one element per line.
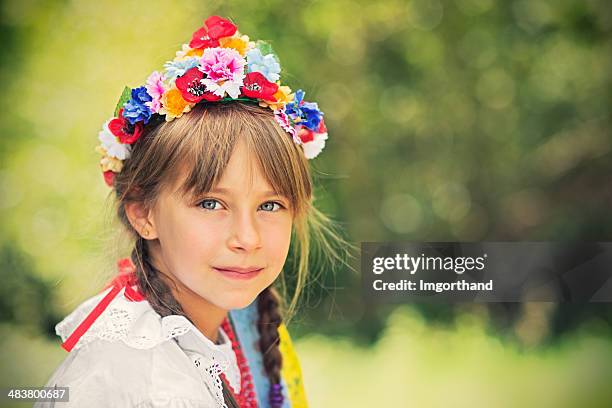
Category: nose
<point>245,234</point>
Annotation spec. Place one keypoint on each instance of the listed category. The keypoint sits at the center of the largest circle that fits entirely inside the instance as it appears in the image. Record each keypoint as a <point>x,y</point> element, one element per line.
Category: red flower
<point>322,128</point>
<point>306,135</point>
<point>256,86</point>
<point>191,87</point>
<point>109,177</point>
<point>214,28</point>
<point>126,132</point>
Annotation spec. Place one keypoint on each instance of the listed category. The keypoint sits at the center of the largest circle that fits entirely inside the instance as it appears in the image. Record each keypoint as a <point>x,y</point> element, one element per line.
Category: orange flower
<point>187,52</point>
<point>173,104</point>
<point>239,43</point>
<point>194,52</point>
<point>283,96</point>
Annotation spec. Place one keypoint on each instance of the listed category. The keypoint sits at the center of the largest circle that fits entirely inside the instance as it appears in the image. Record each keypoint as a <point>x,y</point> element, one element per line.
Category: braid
<point>156,291</point>
<point>159,295</point>
<point>268,305</point>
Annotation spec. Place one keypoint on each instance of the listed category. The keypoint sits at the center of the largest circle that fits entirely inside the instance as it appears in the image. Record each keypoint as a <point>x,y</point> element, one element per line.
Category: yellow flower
<point>194,52</point>
<point>173,104</point>
<point>188,52</point>
<point>237,42</point>
<point>101,150</point>
<point>111,163</point>
<point>283,96</point>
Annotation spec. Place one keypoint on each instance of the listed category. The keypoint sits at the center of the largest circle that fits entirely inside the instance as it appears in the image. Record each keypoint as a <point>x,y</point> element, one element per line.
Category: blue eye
<point>203,203</point>
<point>273,203</point>
<point>210,204</point>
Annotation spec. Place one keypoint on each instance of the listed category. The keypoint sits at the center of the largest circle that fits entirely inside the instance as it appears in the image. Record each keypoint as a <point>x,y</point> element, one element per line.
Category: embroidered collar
<point>120,313</point>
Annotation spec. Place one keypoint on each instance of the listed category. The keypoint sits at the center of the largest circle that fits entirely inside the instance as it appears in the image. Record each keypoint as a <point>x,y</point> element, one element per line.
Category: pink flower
<point>283,120</point>
<point>224,68</point>
<point>155,88</point>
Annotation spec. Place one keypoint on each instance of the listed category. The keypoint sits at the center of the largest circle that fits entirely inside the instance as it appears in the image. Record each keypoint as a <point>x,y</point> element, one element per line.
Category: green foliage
<point>125,96</point>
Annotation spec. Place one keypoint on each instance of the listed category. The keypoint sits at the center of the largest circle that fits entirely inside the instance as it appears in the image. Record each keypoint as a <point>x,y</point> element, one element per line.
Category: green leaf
<point>125,96</point>
<point>265,48</point>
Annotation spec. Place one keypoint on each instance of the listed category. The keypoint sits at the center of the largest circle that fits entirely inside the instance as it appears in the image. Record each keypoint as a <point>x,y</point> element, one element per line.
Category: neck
<point>204,315</point>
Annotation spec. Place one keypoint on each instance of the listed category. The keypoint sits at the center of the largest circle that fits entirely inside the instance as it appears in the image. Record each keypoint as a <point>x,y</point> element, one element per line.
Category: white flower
<point>232,88</point>
<point>110,143</point>
<point>315,146</point>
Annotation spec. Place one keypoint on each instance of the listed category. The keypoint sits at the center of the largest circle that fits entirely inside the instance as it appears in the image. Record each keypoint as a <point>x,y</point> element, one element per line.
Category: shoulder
<point>116,374</point>
<point>129,355</point>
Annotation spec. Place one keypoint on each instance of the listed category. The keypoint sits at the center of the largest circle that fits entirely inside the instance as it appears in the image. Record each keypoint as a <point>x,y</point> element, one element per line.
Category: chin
<point>239,301</point>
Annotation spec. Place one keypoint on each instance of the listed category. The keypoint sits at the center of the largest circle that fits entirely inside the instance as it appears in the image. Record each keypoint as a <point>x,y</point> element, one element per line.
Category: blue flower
<point>178,68</point>
<point>267,65</point>
<point>306,114</point>
<point>135,109</point>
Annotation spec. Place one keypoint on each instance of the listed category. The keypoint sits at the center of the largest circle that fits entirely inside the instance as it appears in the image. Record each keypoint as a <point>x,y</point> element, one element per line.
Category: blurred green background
<point>457,120</point>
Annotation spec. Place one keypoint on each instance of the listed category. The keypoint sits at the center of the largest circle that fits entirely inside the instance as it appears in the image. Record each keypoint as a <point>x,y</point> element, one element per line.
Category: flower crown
<point>219,64</point>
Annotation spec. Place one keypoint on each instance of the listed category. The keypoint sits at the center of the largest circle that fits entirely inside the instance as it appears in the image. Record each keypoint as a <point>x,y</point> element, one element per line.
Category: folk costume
<point>124,354</point>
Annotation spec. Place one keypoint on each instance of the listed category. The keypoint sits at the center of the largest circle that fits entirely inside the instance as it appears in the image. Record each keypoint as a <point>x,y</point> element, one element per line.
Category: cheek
<point>204,242</point>
<point>189,241</point>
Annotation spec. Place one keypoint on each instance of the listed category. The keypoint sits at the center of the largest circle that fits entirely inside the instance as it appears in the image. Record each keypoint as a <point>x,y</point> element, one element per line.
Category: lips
<point>236,272</point>
<point>239,269</point>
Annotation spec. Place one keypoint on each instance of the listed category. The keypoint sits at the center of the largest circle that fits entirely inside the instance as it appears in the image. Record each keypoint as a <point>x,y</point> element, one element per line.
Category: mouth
<point>239,273</point>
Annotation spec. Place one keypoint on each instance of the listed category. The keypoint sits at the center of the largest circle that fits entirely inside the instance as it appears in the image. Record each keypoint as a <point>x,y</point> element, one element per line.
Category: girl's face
<point>241,223</point>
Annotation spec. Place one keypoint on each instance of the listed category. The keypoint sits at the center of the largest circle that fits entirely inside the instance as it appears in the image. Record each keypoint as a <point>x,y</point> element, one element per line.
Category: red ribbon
<point>125,279</point>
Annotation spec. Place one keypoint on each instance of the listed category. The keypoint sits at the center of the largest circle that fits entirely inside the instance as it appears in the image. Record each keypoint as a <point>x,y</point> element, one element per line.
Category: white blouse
<point>133,357</point>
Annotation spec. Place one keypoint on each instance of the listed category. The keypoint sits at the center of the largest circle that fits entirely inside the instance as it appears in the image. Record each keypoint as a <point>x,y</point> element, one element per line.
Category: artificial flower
<point>111,164</point>
<point>238,42</point>
<point>256,86</point>
<point>177,68</point>
<point>191,87</point>
<point>187,52</point>
<point>214,28</point>
<point>109,177</point>
<point>111,144</point>
<point>173,104</point>
<point>322,128</point>
<point>268,65</point>
<point>312,142</point>
<point>124,130</point>
<point>283,120</point>
<point>305,113</point>
<point>136,110</point>
<point>224,69</point>
<point>282,97</point>
<point>155,88</point>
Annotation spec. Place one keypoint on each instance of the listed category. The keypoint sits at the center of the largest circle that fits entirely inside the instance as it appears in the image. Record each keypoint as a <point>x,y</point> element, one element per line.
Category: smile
<point>245,275</point>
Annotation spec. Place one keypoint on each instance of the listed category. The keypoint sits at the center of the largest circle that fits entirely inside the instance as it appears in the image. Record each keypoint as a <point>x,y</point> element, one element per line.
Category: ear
<point>141,219</point>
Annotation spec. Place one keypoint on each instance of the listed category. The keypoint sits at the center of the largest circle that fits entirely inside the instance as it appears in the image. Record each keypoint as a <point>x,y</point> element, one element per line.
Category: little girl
<point>208,162</point>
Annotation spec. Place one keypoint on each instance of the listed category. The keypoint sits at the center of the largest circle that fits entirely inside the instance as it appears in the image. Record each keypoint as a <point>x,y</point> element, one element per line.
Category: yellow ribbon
<point>291,371</point>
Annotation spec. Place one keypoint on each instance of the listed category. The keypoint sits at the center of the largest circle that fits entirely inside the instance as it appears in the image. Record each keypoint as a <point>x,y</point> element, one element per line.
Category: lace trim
<point>131,322</point>
<point>139,326</point>
<point>210,370</point>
